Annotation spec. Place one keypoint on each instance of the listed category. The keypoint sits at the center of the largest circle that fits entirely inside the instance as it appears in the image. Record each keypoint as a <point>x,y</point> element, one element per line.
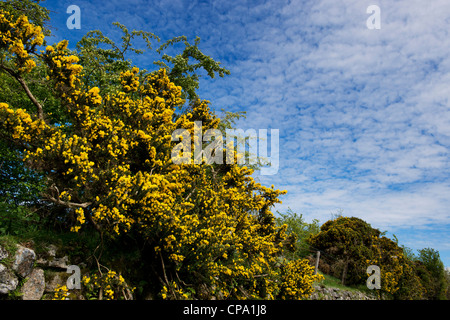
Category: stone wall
<point>30,276</point>
<point>326,293</point>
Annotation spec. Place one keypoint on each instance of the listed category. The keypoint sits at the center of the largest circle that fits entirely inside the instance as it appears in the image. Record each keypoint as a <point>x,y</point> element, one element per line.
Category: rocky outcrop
<point>49,259</point>
<point>33,289</point>
<point>3,253</point>
<point>32,276</point>
<point>327,293</point>
<point>24,261</point>
<point>8,280</point>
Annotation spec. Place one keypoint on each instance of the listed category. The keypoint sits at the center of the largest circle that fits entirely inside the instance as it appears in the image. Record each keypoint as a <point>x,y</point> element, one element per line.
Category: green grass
<point>38,237</point>
<point>8,242</point>
<point>333,282</point>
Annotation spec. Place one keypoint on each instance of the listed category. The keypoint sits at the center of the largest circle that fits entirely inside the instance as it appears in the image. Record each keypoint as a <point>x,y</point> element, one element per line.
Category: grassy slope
<point>332,282</point>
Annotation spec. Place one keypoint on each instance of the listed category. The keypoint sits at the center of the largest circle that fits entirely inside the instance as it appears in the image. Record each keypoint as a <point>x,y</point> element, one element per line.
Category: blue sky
<point>363,114</point>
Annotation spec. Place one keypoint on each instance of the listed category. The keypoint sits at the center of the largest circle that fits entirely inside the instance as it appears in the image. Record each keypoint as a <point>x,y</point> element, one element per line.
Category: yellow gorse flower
<point>108,286</point>
<point>20,39</point>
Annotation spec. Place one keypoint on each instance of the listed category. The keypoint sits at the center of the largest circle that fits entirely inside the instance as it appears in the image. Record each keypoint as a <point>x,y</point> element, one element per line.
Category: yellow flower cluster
<point>297,280</point>
<point>20,124</point>
<point>80,219</point>
<point>130,80</point>
<point>218,238</point>
<point>173,291</point>
<point>20,37</point>
<point>61,293</point>
<point>109,286</point>
<point>64,70</point>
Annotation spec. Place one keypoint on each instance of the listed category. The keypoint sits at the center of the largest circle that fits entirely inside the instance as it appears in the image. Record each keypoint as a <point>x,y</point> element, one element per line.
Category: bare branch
<point>68,203</point>
<point>190,194</point>
<point>30,95</point>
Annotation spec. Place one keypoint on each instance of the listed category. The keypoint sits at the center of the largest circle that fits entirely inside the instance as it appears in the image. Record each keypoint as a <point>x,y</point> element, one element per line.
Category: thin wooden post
<point>317,262</point>
<point>344,273</point>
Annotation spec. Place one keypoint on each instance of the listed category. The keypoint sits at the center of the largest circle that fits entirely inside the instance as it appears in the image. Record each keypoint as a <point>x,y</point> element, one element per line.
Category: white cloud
<point>361,108</point>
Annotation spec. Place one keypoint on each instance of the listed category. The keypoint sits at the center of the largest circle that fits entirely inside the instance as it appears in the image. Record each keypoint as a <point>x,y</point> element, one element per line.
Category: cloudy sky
<point>363,114</point>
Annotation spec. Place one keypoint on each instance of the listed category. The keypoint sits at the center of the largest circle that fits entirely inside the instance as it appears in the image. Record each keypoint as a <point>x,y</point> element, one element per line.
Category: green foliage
<point>185,74</point>
<point>410,286</point>
<point>409,253</point>
<point>15,220</point>
<point>103,60</point>
<point>228,120</point>
<point>432,273</point>
<point>351,244</point>
<point>8,242</point>
<point>298,230</point>
<point>348,241</point>
<point>18,184</point>
<point>447,279</point>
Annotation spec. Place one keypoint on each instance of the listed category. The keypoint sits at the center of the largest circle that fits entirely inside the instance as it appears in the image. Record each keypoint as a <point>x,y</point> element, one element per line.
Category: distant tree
<point>447,278</point>
<point>349,242</point>
<point>433,273</point>
<point>351,245</point>
<point>298,230</point>
<point>409,253</point>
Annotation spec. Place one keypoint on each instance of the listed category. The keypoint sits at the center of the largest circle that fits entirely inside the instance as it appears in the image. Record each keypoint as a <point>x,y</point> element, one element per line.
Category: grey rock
<point>8,281</point>
<point>50,259</point>
<point>34,287</point>
<point>24,261</point>
<point>60,263</point>
<point>42,262</point>
<point>323,293</point>
<point>51,250</point>
<point>3,253</point>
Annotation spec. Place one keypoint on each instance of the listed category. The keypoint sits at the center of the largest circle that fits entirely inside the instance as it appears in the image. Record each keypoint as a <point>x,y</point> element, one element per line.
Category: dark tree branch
<point>30,95</point>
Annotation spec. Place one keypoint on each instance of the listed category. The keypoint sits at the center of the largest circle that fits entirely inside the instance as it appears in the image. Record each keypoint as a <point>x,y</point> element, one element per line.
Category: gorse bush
<point>351,245</point>
<point>347,241</point>
<point>202,230</point>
